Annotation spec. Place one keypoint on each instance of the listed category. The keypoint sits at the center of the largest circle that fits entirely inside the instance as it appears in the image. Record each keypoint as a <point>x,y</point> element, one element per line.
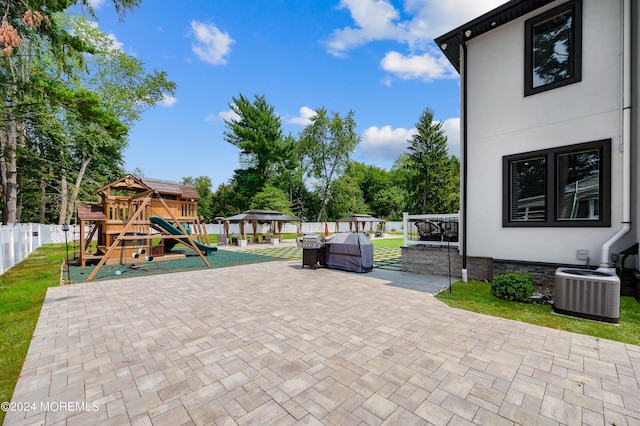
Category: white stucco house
<point>549,123</point>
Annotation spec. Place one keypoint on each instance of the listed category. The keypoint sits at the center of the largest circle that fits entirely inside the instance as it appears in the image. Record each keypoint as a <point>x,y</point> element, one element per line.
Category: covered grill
<point>349,252</point>
<point>312,250</point>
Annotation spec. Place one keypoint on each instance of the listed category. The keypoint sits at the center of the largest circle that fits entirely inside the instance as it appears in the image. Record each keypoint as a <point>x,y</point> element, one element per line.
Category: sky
<point>375,57</point>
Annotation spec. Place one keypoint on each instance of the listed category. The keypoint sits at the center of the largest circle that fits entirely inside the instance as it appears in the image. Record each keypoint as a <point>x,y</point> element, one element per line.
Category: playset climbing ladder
<point>131,214</point>
<point>138,231</point>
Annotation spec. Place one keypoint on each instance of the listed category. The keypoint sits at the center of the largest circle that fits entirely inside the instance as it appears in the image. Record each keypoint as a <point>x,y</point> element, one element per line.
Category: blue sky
<point>375,57</point>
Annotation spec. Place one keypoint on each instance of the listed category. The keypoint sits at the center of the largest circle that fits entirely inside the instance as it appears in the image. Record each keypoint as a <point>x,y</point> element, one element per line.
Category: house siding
<point>635,123</point>
<point>502,121</point>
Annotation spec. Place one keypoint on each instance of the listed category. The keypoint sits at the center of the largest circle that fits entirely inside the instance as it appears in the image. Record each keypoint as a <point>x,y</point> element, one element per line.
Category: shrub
<point>513,286</point>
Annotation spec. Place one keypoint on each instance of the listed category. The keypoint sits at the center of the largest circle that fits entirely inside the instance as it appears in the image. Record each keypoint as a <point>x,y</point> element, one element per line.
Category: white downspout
<point>626,134</point>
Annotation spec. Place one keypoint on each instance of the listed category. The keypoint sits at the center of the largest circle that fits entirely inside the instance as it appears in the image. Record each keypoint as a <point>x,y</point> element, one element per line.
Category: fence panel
<point>18,241</point>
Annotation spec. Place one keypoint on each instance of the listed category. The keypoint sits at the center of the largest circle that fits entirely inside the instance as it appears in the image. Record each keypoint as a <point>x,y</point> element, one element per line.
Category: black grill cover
<point>349,252</point>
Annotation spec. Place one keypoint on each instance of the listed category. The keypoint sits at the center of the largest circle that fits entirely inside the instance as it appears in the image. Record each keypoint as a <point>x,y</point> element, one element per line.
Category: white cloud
<point>374,19</point>
<point>387,143</point>
<point>227,115</point>
<point>425,66</point>
<point>115,44</point>
<point>451,127</point>
<point>168,101</point>
<point>212,45</point>
<point>432,18</point>
<point>95,4</point>
<point>416,26</point>
<point>384,142</point>
<point>387,81</point>
<point>425,20</point>
<point>304,118</point>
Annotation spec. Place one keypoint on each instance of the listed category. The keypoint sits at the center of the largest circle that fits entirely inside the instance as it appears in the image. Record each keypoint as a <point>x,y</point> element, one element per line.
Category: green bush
<point>513,286</point>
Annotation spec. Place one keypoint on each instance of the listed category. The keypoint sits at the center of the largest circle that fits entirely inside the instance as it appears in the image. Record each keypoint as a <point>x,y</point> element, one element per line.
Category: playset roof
<point>134,184</point>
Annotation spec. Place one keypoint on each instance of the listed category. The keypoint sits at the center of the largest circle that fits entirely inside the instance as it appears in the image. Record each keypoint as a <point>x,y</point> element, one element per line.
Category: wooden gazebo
<point>254,217</point>
<point>359,222</point>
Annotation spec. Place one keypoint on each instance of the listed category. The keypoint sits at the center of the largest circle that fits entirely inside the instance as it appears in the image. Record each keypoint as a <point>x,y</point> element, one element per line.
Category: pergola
<point>359,221</point>
<point>254,217</point>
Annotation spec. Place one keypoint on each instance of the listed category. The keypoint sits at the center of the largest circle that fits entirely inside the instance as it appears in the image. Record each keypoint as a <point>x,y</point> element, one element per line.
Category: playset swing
<point>128,212</point>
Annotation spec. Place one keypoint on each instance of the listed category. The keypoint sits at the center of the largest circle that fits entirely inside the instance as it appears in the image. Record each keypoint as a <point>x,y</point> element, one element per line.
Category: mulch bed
<point>218,259</point>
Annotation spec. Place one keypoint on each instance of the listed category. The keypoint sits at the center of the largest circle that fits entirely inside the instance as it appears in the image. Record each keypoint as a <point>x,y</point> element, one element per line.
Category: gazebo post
<point>255,231</point>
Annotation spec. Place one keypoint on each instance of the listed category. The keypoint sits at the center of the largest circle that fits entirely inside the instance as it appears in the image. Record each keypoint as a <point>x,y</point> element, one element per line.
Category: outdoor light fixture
<point>65,228</point>
<point>467,33</point>
<point>444,46</point>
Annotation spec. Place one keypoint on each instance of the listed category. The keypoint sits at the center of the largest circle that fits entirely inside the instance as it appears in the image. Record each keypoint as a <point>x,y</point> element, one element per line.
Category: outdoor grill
<point>312,250</point>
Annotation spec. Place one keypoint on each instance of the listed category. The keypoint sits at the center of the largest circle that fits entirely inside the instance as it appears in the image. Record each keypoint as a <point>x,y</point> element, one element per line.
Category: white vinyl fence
<point>307,227</point>
<point>17,242</point>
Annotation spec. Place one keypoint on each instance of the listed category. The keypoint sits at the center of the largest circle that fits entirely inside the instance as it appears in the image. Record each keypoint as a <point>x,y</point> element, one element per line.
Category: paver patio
<point>274,343</point>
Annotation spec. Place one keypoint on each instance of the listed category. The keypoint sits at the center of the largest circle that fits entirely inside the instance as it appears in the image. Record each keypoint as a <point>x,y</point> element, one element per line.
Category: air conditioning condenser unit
<point>588,294</point>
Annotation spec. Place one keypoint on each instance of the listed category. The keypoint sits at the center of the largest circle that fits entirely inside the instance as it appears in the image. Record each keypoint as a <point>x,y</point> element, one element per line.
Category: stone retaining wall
<point>543,274</point>
<point>421,259</point>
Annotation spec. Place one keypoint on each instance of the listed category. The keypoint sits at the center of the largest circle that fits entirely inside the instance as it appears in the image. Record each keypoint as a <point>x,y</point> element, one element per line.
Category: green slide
<point>157,220</point>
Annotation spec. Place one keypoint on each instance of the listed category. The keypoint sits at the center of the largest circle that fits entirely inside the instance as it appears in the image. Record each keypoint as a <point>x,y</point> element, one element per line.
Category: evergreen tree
<point>264,151</point>
<point>431,176</point>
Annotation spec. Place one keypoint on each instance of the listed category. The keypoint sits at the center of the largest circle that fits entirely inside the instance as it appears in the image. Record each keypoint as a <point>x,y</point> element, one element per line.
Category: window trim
<point>576,6</point>
<point>551,187</point>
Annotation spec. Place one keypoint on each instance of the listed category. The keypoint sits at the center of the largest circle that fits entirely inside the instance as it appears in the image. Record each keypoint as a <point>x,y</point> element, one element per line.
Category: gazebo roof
<point>262,215</point>
<point>359,218</point>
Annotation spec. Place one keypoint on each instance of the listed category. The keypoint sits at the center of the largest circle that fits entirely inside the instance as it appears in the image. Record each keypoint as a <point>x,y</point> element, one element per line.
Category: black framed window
<point>566,186</point>
<point>553,48</point>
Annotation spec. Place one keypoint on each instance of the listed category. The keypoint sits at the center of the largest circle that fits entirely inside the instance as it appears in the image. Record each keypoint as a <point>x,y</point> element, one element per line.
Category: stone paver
<point>274,343</point>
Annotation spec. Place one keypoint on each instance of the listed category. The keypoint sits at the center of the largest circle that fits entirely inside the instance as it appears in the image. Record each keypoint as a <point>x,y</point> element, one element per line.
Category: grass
<point>388,242</point>
<point>476,296</point>
<point>22,291</point>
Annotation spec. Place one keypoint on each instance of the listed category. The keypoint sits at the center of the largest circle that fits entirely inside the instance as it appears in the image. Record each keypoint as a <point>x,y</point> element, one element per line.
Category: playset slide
<point>157,220</point>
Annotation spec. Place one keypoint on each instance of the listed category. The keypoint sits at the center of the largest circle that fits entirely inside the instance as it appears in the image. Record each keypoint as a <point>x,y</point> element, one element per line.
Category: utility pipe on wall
<point>463,54</point>
<point>626,134</point>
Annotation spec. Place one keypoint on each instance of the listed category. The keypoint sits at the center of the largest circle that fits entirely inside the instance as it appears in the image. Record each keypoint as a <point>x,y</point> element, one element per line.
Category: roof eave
<point>449,43</point>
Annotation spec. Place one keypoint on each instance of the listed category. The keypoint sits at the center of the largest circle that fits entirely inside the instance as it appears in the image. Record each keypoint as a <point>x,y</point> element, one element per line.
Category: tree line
<point>312,176</point>
<point>70,99</point>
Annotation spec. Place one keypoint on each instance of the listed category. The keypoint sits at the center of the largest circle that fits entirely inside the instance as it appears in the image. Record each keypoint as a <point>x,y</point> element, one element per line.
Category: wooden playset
<point>131,213</point>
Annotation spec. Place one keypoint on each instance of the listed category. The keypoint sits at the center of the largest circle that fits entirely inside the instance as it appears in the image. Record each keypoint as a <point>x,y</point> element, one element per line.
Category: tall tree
<point>272,198</point>
<point>30,28</point>
<point>345,199</point>
<point>430,166</point>
<point>202,185</point>
<point>327,143</point>
<point>126,90</point>
<point>371,180</point>
<point>224,201</point>
<point>264,150</point>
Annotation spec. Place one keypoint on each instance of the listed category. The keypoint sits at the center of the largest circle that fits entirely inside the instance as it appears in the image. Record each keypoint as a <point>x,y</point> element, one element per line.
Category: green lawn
<point>22,291</point>
<point>388,242</point>
<point>476,296</point>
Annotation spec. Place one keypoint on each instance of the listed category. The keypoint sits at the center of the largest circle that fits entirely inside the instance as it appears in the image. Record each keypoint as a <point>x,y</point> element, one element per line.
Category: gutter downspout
<point>464,158</point>
<point>625,144</point>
